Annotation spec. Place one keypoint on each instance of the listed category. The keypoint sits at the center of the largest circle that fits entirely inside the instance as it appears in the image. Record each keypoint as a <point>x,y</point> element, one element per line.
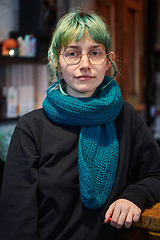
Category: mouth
<point>84,77</point>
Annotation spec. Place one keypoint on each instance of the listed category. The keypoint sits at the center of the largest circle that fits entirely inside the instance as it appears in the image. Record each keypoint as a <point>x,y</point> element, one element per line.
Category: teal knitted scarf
<point>98,148</point>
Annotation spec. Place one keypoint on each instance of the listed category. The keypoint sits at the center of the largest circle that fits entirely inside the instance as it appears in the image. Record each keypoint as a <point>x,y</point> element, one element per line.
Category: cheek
<point>102,70</point>
<point>105,69</point>
<point>62,65</point>
<point>67,70</point>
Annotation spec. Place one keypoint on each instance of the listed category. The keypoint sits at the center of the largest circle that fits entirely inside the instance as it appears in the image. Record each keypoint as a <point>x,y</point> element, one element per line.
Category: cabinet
<point>31,76</point>
<point>126,21</point>
<point>153,67</point>
<point>25,71</point>
<point>19,72</point>
<point>27,75</point>
<point>37,18</point>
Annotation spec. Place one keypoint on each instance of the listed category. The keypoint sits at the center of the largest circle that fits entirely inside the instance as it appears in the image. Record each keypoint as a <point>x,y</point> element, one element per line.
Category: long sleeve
<point>141,172</point>
<point>42,164</point>
<point>18,203</point>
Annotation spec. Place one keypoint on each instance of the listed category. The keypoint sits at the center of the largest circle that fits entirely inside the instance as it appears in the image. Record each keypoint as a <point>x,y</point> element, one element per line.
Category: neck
<point>72,92</point>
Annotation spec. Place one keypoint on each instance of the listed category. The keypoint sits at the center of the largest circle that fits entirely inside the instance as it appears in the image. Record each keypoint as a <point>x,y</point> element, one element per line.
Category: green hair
<point>73,26</point>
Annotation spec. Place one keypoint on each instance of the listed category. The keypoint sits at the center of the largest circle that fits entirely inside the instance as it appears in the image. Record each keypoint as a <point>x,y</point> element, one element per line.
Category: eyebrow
<point>91,47</point>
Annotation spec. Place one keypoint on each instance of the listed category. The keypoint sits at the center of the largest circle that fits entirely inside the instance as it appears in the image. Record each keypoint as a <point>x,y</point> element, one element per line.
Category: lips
<point>84,77</point>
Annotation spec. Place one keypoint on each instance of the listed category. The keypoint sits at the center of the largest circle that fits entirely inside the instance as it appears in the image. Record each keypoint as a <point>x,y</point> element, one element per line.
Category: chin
<point>87,93</point>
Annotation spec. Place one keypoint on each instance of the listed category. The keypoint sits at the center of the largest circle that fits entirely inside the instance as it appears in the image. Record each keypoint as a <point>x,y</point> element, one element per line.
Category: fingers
<point>117,217</point>
<point>120,214</point>
<point>120,219</point>
<point>136,216</point>
<point>132,217</point>
<point>123,212</point>
<point>109,213</point>
<point>128,220</point>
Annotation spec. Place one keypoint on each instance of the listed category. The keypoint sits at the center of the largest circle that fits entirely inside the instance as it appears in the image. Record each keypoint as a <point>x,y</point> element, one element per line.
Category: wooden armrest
<point>150,218</point>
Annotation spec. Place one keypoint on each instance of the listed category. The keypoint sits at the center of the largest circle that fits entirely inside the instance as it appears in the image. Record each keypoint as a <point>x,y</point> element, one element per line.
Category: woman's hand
<point>122,212</point>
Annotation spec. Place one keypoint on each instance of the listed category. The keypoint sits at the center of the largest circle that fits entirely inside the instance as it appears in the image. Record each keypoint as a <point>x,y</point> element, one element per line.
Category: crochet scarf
<point>98,148</point>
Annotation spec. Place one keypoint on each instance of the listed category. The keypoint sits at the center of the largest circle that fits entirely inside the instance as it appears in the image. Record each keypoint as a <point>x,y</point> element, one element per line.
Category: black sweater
<point>40,197</point>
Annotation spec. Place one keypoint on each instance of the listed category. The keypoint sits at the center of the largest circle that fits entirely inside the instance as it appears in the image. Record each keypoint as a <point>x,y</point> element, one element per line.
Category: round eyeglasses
<point>73,56</point>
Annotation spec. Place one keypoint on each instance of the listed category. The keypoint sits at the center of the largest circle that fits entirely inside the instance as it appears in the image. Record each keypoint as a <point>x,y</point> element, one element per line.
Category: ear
<point>49,58</point>
<point>111,56</point>
<point>59,70</point>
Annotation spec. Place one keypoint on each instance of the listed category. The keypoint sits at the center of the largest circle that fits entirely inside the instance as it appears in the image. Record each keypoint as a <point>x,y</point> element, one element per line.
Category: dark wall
<point>1,173</point>
<point>150,36</point>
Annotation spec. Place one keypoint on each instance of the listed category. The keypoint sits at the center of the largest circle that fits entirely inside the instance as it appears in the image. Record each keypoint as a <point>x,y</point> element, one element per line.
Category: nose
<point>84,63</point>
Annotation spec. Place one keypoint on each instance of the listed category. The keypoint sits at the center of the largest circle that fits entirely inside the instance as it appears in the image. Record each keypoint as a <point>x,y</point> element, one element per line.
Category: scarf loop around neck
<point>98,148</point>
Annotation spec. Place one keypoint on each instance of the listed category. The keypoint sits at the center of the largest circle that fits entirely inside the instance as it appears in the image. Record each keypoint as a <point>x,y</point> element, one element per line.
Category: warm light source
<point>11,52</point>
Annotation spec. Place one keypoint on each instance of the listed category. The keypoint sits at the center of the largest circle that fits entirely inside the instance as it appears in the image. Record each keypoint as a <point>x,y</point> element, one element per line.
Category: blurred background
<point>26,28</point>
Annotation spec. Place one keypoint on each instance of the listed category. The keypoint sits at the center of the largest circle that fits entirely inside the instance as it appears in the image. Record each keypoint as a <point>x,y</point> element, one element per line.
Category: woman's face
<point>83,79</point>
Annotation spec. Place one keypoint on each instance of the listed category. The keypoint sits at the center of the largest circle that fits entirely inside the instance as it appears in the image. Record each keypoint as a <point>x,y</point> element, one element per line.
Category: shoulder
<point>128,112</point>
<point>129,119</point>
<point>33,121</point>
<point>32,117</point>
<point>35,114</point>
<point>36,123</point>
<point>128,108</point>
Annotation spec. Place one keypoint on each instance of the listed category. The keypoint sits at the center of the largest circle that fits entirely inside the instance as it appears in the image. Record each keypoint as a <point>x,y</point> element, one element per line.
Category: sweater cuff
<point>136,198</point>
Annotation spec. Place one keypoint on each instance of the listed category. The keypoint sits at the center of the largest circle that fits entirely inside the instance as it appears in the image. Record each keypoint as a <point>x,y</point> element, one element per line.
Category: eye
<point>71,53</point>
<point>95,53</point>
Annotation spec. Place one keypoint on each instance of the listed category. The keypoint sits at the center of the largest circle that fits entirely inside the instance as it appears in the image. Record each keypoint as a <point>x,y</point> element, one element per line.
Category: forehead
<point>84,43</point>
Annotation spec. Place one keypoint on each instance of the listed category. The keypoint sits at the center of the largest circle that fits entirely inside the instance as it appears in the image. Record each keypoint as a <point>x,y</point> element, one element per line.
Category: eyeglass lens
<point>73,56</point>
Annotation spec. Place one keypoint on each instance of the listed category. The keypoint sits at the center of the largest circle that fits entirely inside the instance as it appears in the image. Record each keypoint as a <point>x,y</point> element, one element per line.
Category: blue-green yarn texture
<point>98,147</point>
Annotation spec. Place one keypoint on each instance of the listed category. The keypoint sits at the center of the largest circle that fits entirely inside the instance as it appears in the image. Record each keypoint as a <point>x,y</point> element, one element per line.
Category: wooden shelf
<point>11,60</point>
<point>150,218</point>
<point>8,119</point>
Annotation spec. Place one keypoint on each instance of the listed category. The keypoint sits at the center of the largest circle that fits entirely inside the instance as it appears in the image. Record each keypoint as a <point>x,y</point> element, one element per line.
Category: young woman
<point>85,164</point>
